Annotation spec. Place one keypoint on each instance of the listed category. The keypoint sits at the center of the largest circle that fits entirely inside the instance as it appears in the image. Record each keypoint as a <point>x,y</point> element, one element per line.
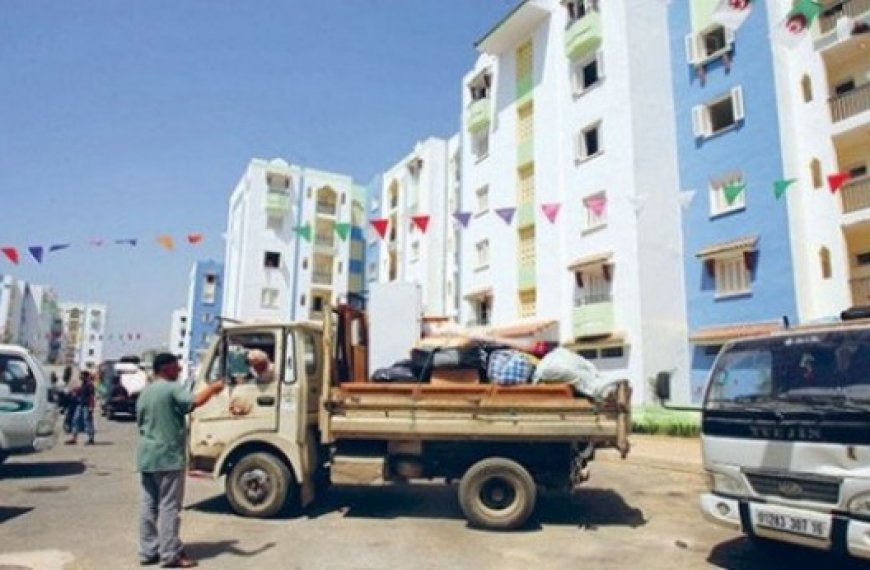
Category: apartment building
<point>571,180</point>
<point>177,338</point>
<point>41,323</point>
<point>84,326</point>
<point>10,309</point>
<point>204,304</point>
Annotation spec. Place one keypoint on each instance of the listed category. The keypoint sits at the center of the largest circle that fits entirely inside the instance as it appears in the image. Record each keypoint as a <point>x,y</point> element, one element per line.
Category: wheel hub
<point>497,494</point>
<point>256,485</point>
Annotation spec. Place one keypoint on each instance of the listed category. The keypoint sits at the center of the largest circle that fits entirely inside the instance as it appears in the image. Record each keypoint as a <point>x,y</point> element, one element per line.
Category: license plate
<point>788,523</point>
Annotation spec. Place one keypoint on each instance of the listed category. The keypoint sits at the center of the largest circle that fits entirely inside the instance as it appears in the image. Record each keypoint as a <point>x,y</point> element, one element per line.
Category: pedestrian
<point>160,459</point>
<point>83,403</point>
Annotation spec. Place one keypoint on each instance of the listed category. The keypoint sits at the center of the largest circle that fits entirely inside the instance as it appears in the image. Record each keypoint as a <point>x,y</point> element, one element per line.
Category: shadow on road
<point>587,509</point>
<point>743,554</point>
<point>41,469</point>
<point>9,513</point>
<point>206,550</point>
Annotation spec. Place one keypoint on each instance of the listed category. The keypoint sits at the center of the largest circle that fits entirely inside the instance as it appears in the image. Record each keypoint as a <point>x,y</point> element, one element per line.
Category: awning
<point>604,341</point>
<point>478,293</point>
<point>746,243</point>
<point>595,258</point>
<point>711,336</point>
<point>523,327</point>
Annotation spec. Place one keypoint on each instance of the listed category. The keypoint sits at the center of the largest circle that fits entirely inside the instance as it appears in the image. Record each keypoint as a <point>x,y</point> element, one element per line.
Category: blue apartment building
<point>204,304</point>
<point>738,265</point>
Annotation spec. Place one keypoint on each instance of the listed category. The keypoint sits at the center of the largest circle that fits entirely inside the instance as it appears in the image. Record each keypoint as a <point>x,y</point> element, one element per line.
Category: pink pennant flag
<point>166,241</point>
<point>421,222</point>
<point>596,204</point>
<point>837,180</point>
<point>551,211</point>
<point>11,253</point>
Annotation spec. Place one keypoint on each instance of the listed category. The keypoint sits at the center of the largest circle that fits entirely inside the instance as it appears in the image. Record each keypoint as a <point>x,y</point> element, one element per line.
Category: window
<point>596,211</point>
<point>277,182</point>
<point>302,300</point>
<point>181,344</point>
<point>304,263</point>
<point>718,115</point>
<point>816,173</point>
<point>592,285</point>
<point>587,73</point>
<point>844,87</point>
<point>482,250</point>
<point>589,142</point>
<point>732,276</point>
<point>480,86</point>
<point>712,43</point>
<point>528,303</point>
<point>272,259</point>
<point>863,258</point>
<point>526,247</point>
<point>482,200</point>
<point>269,298</point>
<point>339,267</point>
<point>857,171</point>
<point>480,144</point>
<point>612,352</point>
<point>588,353</point>
<point>317,303</point>
<point>825,262</point>
<point>90,352</point>
<point>206,318</point>
<point>525,122</point>
<point>482,310</point>
<point>807,88</point>
<point>415,251</point>
<point>727,187</point>
<point>578,8</point>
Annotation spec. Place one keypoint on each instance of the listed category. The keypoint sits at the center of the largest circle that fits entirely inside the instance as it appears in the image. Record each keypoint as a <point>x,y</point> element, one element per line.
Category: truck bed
<point>477,412</point>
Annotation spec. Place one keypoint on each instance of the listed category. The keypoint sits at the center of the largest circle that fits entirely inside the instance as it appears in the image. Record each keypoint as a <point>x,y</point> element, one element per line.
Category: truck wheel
<point>497,494</point>
<point>258,485</point>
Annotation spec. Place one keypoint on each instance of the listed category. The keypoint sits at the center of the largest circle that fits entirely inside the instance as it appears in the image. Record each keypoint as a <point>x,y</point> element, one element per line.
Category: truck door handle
<point>265,401</point>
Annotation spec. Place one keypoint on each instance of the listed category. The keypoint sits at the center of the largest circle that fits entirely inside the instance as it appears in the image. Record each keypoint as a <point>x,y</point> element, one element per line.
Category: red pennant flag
<point>194,238</point>
<point>421,222</point>
<point>837,180</point>
<point>11,253</point>
<point>380,226</point>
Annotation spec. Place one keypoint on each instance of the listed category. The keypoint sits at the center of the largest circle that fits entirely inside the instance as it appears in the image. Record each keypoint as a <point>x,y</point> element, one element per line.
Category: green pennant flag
<point>342,230</point>
<point>303,231</point>
<point>732,190</point>
<point>780,186</point>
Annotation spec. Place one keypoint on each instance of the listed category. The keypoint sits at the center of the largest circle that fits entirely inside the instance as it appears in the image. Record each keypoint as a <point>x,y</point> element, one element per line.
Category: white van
<point>27,414</point>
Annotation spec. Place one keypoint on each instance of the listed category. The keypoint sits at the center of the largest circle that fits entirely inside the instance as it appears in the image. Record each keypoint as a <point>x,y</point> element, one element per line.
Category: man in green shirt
<point>160,458</point>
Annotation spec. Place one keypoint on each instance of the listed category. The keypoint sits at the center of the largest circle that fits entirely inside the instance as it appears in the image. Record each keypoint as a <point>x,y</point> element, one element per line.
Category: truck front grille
<point>816,488</point>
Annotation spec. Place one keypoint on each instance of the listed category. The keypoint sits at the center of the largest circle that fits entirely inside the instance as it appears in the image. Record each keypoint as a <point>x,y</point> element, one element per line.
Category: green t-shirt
<point>160,411</point>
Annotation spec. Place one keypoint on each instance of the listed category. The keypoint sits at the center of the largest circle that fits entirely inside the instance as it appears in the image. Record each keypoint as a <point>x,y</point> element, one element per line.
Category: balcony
<point>851,103</point>
<point>860,291</point>
<point>856,194</point>
<point>593,316</point>
<point>277,205</point>
<point>477,115</point>
<point>833,12</point>
<point>321,278</point>
<point>324,242</point>
<point>326,208</point>
<point>583,36</point>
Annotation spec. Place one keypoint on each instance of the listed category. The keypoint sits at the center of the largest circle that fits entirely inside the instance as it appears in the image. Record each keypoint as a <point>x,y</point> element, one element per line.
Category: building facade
<point>177,338</point>
<point>575,219</point>
<point>204,305</point>
<point>10,309</point>
<point>84,326</point>
<point>41,323</point>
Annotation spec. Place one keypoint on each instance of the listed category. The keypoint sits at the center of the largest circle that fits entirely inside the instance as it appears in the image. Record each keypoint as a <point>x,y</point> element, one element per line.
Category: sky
<point>135,119</point>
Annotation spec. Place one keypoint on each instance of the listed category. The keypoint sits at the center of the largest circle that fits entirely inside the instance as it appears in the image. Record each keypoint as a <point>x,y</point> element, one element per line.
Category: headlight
<point>725,484</point>
<point>860,505</point>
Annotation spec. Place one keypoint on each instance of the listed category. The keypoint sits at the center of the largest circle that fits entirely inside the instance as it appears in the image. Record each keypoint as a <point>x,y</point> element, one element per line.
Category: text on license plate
<point>788,523</point>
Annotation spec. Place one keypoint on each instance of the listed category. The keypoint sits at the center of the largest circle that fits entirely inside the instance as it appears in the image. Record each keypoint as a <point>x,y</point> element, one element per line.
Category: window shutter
<point>729,37</point>
<point>737,103</point>
<point>699,120</point>
<point>599,58</point>
<point>691,48</point>
<point>579,145</point>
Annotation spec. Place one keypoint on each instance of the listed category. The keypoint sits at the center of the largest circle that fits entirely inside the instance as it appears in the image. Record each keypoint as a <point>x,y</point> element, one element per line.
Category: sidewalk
<point>661,452</point>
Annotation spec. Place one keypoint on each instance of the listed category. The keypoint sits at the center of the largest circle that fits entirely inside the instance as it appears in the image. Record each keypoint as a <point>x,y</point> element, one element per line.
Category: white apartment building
<point>566,107</point>
<point>178,338</point>
<point>287,251</point>
<point>11,302</point>
<point>40,330</point>
<point>84,327</point>
<point>823,87</point>
<point>416,187</point>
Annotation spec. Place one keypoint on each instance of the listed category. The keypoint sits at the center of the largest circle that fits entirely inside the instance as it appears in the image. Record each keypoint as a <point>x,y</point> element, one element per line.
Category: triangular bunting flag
<point>36,252</point>
<point>732,13</point>
<point>463,218</point>
<point>551,211</point>
<point>637,201</point>
<point>58,247</point>
<point>194,238</point>
<point>732,190</point>
<point>506,214</point>
<point>11,253</point>
<point>304,232</point>
<point>166,241</point>
<point>96,242</point>
<point>342,230</point>
<point>421,221</point>
<point>127,241</point>
<point>596,204</point>
<point>380,225</point>
<point>793,28</point>
<point>837,180</point>
<point>780,186</point>
<point>685,198</point>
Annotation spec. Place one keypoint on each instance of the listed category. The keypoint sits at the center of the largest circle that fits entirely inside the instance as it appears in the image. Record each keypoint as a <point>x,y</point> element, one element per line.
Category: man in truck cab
<point>262,371</point>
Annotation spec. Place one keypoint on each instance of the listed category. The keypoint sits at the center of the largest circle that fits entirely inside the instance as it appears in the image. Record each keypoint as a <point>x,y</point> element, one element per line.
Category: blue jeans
<point>83,421</point>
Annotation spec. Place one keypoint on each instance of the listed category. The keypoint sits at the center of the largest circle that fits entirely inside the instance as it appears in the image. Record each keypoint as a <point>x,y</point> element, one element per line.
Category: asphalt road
<point>75,508</point>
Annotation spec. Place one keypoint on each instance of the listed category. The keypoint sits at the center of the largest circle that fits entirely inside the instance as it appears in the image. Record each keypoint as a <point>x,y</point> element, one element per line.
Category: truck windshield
<point>800,370</point>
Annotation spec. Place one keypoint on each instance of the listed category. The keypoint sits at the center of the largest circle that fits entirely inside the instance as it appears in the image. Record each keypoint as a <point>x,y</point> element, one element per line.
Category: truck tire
<point>258,485</point>
<point>497,494</point>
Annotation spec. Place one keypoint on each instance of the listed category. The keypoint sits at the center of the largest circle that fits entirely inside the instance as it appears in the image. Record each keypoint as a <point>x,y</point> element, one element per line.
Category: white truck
<point>786,437</point>
<point>27,413</point>
<point>276,439</point>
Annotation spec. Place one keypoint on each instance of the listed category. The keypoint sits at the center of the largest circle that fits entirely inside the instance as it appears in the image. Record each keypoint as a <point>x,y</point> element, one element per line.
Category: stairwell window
<point>579,8</point>
<point>708,45</point>
<point>732,276</point>
<point>272,260</point>
<point>482,252</point>
<point>587,73</point>
<point>480,144</point>
<point>269,298</point>
<point>595,207</point>
<point>727,194</point>
<point>482,200</point>
<point>718,115</point>
<point>589,143</point>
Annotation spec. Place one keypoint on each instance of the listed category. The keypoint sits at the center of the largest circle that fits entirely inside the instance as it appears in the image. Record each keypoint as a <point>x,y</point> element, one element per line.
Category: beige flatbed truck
<point>275,435</point>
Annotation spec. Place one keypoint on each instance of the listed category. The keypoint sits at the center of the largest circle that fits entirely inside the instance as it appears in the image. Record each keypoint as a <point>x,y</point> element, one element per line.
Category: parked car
<point>27,414</point>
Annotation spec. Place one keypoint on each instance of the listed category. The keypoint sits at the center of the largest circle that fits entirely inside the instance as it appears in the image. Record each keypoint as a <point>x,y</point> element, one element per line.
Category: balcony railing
<point>324,240</point>
<point>583,35</point>
<point>593,318</point>
<point>856,194</point>
<point>321,278</point>
<point>477,115</point>
<point>860,290</point>
<point>833,12</point>
<point>327,208</point>
<point>851,103</point>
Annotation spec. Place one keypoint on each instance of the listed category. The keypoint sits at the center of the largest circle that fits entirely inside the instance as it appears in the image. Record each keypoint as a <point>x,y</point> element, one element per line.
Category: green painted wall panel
<point>702,13</point>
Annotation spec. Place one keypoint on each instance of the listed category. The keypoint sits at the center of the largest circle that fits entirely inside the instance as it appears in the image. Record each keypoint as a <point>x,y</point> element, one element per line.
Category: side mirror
<point>663,386</point>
